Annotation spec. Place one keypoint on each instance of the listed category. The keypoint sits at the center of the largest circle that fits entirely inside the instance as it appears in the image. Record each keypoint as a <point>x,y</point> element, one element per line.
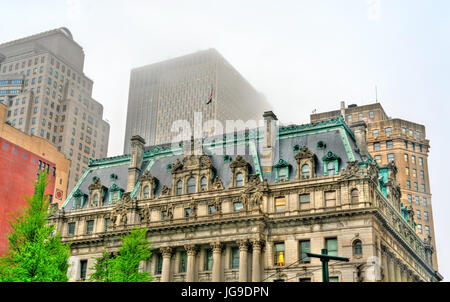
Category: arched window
<point>306,173</point>
<point>146,192</point>
<point>239,180</point>
<point>331,169</point>
<point>355,195</point>
<point>203,184</point>
<point>179,187</point>
<point>191,185</point>
<point>357,247</point>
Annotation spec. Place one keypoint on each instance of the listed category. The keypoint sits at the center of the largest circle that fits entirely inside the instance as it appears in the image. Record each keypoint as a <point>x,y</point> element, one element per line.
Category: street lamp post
<point>325,258</point>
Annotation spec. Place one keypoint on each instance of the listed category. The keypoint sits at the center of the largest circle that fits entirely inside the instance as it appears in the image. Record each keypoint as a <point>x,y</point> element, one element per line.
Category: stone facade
<point>218,218</point>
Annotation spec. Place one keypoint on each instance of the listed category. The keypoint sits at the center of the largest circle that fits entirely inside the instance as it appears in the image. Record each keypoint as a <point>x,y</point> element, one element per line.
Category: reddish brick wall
<point>18,172</point>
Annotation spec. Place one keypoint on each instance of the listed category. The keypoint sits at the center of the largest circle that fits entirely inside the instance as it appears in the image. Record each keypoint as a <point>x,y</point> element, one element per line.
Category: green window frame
<point>332,246</point>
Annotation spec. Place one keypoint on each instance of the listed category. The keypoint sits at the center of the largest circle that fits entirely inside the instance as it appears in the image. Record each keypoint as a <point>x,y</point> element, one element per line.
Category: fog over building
<point>175,89</point>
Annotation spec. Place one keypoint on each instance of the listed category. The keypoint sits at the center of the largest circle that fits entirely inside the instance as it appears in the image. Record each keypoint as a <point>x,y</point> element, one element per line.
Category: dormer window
<point>282,170</point>
<point>306,173</point>
<point>115,196</point>
<point>331,164</point>
<point>282,175</point>
<point>191,185</point>
<point>95,199</point>
<point>239,180</point>
<point>331,168</point>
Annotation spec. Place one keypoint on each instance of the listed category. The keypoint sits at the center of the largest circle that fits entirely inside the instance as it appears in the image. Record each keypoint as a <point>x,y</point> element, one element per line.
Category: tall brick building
<point>405,143</point>
<point>22,156</point>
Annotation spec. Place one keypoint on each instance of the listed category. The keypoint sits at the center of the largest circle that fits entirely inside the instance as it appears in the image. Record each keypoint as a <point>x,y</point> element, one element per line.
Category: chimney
<point>343,109</point>
<point>359,129</point>
<point>137,154</point>
<point>270,137</point>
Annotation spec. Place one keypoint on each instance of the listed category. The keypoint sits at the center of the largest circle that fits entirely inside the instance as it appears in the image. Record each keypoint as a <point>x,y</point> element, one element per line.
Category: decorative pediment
<point>176,166</point>
<point>217,184</point>
<point>282,164</point>
<point>239,162</point>
<point>254,180</point>
<point>165,191</point>
<point>352,169</point>
<point>78,194</point>
<point>304,153</point>
<point>115,188</point>
<point>147,176</point>
<point>330,156</point>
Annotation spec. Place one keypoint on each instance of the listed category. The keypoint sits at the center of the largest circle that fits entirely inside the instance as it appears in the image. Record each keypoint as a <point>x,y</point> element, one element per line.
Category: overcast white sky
<point>303,55</point>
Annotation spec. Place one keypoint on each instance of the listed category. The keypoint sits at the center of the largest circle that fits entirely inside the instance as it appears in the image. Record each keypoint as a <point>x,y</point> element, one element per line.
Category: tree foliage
<point>125,266</point>
<point>35,253</point>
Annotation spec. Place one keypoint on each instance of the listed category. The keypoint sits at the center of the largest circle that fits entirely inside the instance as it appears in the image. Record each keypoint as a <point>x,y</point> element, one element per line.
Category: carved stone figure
<point>217,184</point>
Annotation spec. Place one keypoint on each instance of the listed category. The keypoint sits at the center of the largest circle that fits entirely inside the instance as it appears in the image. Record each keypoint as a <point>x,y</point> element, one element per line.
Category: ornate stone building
<point>225,217</point>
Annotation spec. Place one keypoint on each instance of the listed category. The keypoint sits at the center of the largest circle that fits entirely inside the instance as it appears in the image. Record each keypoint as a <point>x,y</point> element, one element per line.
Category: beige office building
<point>175,89</point>
<point>48,95</point>
<point>405,143</point>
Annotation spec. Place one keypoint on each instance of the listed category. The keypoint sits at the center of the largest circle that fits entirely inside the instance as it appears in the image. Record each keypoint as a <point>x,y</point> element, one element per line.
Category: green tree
<point>125,266</point>
<point>35,253</point>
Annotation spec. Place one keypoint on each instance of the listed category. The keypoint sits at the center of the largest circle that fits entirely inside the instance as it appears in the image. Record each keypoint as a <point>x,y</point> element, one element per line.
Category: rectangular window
<point>163,215</point>
<point>305,247</point>
<point>425,215</point>
<point>71,229</point>
<point>408,184</point>
<point>419,228</point>
<point>427,230</point>
<point>391,157</point>
<point>187,212</point>
<point>376,146</point>
<point>378,158</point>
<point>375,133</point>
<point>388,130</point>
<point>89,226</point>
<point>331,244</point>
<point>237,206</point>
<point>418,214</point>
<point>416,187</point>
<point>330,199</point>
<point>107,222</point>
<point>83,269</point>
<point>389,144</point>
<point>211,209</point>
<point>420,161</point>
<point>334,279</point>
<point>235,257</point>
<point>413,159</point>
<point>418,200</point>
<point>371,115</point>
<point>407,171</point>
<point>159,263</point>
<point>280,204</point>
<point>405,144</point>
<point>424,200</point>
<point>209,260</point>
<point>304,198</point>
<point>423,188</point>
<point>279,254</point>
<point>183,262</point>
<point>409,198</point>
<point>422,174</point>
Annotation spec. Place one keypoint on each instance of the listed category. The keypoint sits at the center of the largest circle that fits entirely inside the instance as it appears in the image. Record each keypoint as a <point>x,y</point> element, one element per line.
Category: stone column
<point>398,277</point>
<point>404,273</point>
<point>243,250</point>
<point>256,271</point>
<point>190,272</point>
<point>167,255</point>
<point>384,263</point>
<point>391,269</point>
<point>217,263</point>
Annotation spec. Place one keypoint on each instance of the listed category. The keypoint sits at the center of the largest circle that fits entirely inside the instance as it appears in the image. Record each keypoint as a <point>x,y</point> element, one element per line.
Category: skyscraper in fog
<point>175,89</point>
<point>48,95</point>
